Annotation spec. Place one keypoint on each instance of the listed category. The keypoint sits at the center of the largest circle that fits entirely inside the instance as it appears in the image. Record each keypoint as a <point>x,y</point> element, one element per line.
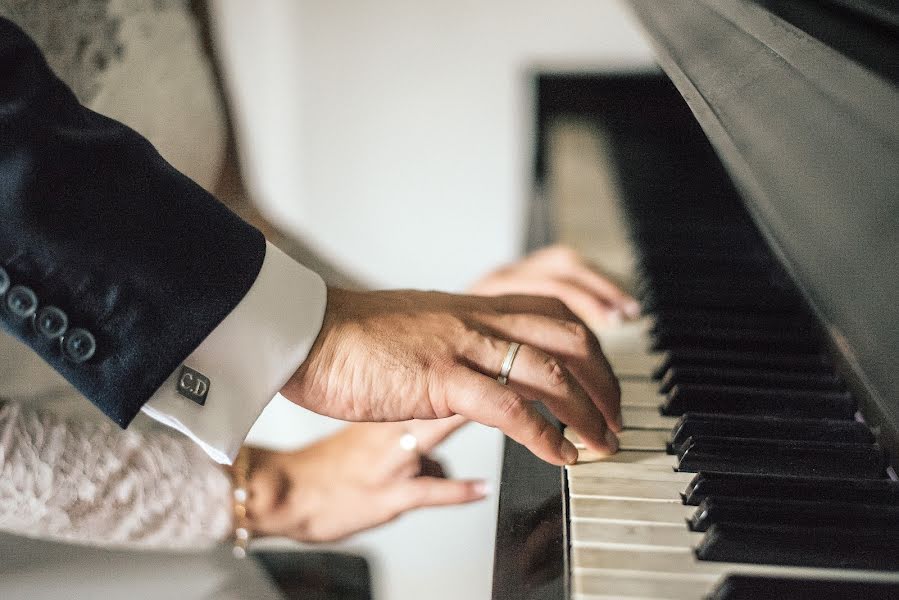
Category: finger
<point>585,275</point>
<point>566,263</point>
<point>483,399</point>
<point>570,341</point>
<point>540,376</point>
<point>594,309</point>
<point>428,491</point>
<point>431,433</point>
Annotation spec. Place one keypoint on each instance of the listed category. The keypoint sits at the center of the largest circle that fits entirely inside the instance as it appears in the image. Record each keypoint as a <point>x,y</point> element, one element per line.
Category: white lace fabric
<point>89,482</point>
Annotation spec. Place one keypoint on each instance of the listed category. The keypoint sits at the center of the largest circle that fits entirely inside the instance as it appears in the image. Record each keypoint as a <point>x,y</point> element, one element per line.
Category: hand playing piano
<point>356,479</point>
<point>561,272</point>
<point>400,355</point>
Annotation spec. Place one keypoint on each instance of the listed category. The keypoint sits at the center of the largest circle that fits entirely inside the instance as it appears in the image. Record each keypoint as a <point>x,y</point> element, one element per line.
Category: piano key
<point>617,585</point>
<point>641,393</point>
<point>631,471</point>
<point>637,457</point>
<point>781,457</point>
<point>661,562</point>
<point>823,547</point>
<point>758,321</point>
<point>870,491</point>
<point>666,336</point>
<point>628,510</point>
<point>812,362</point>
<point>630,439</point>
<point>753,401</point>
<point>639,365</point>
<point>625,488</point>
<point>760,378</point>
<point>645,417</point>
<point>757,511</point>
<point>752,587</point>
<point>741,426</point>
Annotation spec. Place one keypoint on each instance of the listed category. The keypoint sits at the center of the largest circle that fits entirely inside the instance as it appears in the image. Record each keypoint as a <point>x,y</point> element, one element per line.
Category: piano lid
<point>801,102</point>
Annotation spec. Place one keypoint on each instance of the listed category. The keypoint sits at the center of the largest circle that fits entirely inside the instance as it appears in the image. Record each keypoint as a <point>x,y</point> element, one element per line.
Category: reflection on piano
<point>760,400</point>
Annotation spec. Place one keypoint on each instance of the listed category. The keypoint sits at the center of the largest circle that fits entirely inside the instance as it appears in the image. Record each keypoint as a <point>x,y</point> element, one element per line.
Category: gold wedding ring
<point>503,377</point>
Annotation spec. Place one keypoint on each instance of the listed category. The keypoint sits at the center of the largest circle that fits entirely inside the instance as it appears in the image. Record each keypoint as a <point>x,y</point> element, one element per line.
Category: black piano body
<point>791,116</point>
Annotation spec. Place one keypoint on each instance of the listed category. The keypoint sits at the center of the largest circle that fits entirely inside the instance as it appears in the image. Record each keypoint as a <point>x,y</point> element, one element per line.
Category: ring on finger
<point>503,377</point>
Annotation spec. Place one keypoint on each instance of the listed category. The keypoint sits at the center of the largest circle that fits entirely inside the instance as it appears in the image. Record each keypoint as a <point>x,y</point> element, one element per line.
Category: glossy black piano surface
<point>766,218</point>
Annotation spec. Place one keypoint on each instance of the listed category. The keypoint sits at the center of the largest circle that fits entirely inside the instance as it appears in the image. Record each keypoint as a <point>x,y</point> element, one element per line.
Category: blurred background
<point>388,144</point>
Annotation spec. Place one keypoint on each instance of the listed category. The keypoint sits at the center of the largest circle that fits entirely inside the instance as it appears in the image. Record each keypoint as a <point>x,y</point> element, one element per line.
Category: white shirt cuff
<point>248,358</point>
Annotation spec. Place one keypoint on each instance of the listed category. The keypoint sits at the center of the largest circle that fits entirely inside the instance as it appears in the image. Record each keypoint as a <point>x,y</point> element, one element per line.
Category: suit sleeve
<point>114,267</point>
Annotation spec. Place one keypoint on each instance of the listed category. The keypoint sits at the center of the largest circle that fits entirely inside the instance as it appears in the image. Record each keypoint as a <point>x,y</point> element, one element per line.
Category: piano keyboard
<point>745,469</point>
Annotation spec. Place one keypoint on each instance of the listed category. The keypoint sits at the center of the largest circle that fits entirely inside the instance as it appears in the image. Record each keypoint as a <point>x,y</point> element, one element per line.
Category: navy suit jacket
<point>95,223</point>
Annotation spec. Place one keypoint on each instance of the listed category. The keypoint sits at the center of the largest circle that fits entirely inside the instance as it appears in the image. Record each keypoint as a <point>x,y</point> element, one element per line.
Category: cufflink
<point>193,385</point>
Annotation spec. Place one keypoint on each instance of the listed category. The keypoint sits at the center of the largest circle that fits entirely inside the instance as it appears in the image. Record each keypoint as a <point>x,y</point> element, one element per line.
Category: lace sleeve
<point>90,482</point>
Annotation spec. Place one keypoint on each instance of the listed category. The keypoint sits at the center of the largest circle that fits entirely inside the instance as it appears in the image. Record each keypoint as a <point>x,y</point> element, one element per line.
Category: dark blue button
<point>79,345</point>
<point>4,281</point>
<point>21,301</point>
<point>51,322</point>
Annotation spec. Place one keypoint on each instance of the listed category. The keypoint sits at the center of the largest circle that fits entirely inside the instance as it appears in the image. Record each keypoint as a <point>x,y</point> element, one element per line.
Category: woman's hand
<point>358,478</point>
<point>562,273</point>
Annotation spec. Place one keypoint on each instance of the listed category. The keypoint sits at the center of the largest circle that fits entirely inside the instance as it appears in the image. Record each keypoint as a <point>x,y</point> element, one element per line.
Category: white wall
<point>396,138</point>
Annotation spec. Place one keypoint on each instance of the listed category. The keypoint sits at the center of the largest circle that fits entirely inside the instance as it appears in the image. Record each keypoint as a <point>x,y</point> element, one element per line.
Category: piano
<point>759,389</point>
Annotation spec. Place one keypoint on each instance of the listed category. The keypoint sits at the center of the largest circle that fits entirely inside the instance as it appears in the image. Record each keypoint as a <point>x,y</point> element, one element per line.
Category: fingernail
<point>569,452</point>
<point>611,441</point>
<point>482,488</point>
<point>614,317</point>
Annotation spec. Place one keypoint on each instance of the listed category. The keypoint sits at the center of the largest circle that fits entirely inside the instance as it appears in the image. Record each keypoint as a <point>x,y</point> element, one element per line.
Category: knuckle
<point>554,373</point>
<point>511,407</point>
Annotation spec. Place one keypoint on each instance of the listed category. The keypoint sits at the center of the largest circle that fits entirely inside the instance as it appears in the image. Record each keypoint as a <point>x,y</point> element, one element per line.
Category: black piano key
<point>758,378</point>
<point>664,337</point>
<point>776,428</point>
<point>758,511</point>
<point>781,457</point>
<point>743,299</point>
<point>758,321</point>
<point>690,397</point>
<point>795,362</point>
<point>758,587</point>
<point>824,547</point>
<point>741,485</point>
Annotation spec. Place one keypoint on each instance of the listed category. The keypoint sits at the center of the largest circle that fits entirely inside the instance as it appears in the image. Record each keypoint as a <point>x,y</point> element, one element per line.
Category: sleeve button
<point>4,281</point>
<point>79,345</point>
<point>21,301</point>
<point>51,322</point>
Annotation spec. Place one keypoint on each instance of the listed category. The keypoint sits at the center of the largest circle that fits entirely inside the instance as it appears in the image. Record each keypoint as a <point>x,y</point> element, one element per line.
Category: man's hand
<point>400,355</point>
<point>560,272</point>
<point>356,479</point>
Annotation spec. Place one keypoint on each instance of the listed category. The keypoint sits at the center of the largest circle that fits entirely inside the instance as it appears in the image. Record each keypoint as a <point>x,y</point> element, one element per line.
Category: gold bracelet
<point>239,475</point>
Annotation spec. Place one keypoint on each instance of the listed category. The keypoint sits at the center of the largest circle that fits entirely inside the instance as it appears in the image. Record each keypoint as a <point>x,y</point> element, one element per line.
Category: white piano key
<point>635,365</point>
<point>656,562</point>
<point>619,585</point>
<point>645,417</point>
<point>629,456</point>
<point>633,536</point>
<point>638,392</point>
<point>629,471</point>
<point>630,337</point>
<point>630,439</point>
<point>614,509</point>
<point>619,487</point>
